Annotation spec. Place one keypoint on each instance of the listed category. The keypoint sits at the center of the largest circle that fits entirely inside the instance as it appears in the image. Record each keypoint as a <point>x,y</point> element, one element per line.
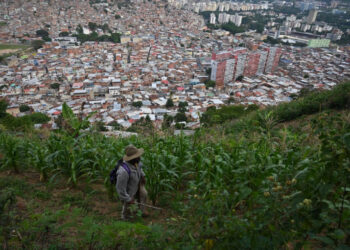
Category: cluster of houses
<point>163,54</point>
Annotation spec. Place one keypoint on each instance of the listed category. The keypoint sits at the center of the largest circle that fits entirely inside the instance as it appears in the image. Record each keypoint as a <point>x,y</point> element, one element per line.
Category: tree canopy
<point>137,104</point>
<point>92,26</point>
<point>24,108</point>
<point>64,33</point>
<point>169,103</point>
<point>55,86</point>
<point>37,44</point>
<point>209,83</point>
<point>42,33</point>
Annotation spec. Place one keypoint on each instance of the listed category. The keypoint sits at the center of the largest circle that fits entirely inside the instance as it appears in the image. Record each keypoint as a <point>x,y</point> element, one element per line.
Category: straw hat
<point>131,152</point>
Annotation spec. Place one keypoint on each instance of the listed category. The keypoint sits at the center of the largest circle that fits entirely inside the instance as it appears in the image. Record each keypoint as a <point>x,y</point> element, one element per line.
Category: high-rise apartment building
<point>212,18</point>
<point>273,56</point>
<point>221,18</point>
<point>227,66</point>
<point>311,18</point>
<point>252,64</point>
<point>334,4</point>
<point>238,20</point>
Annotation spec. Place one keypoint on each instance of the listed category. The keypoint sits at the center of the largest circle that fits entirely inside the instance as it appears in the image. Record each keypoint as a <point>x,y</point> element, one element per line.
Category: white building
<point>238,20</point>
<point>212,18</point>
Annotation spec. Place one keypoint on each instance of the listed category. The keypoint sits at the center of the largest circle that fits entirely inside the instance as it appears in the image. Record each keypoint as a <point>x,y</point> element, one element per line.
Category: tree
<point>47,39</point>
<point>100,126</point>
<point>239,78</point>
<point>64,33</point>
<point>271,40</point>
<point>180,117</point>
<point>24,108</point>
<point>230,100</point>
<point>169,103</point>
<point>167,121</point>
<point>115,125</point>
<point>79,29</point>
<point>144,125</point>
<point>232,28</point>
<point>105,27</point>
<point>183,104</point>
<point>182,107</point>
<point>55,86</point>
<point>42,33</point>
<point>39,118</point>
<point>115,37</point>
<point>137,104</point>
<point>208,71</point>
<point>179,125</point>
<point>92,26</point>
<point>209,83</point>
<point>117,16</point>
<point>3,107</point>
<point>37,44</point>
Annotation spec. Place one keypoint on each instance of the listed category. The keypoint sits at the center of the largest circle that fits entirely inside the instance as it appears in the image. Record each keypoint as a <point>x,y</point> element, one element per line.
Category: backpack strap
<point>126,167</point>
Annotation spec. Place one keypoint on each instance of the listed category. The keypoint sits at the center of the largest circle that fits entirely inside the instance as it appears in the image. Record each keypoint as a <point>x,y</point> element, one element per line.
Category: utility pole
<point>149,52</point>
<point>129,54</point>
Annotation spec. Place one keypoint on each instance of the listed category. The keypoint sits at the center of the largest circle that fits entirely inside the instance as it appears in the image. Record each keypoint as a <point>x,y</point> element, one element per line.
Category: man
<point>131,181</point>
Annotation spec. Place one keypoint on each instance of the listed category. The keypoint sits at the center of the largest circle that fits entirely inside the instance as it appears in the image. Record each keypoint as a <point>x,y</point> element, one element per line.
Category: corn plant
<point>39,158</point>
<point>69,158</point>
<point>162,173</point>
<point>12,150</point>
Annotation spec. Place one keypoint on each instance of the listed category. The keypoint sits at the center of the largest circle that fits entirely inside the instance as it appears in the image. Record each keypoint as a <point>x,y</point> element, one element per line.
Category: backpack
<point>113,173</point>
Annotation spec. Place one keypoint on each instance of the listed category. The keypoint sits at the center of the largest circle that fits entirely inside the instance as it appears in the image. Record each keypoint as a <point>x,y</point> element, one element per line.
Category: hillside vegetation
<point>270,179</point>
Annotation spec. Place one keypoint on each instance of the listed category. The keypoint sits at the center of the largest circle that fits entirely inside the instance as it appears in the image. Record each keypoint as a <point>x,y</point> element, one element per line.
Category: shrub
<point>39,118</point>
<point>24,108</point>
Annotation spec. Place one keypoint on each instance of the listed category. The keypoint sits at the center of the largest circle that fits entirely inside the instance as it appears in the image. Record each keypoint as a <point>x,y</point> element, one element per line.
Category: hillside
<point>276,178</point>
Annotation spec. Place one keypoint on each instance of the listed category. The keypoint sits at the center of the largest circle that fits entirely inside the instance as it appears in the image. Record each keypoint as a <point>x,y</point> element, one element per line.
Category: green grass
<point>13,46</point>
<point>3,24</point>
<point>19,187</point>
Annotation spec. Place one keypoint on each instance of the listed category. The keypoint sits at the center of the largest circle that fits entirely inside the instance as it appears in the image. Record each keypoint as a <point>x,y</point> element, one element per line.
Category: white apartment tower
<point>221,18</point>
<point>212,18</point>
<point>238,20</point>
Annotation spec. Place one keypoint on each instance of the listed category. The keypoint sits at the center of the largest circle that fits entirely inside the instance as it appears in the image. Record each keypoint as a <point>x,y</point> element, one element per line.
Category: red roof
<point>180,88</point>
<point>56,113</point>
<point>165,81</point>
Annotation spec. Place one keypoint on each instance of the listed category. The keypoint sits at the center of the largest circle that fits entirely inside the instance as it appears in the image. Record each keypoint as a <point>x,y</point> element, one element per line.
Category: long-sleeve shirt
<point>127,185</point>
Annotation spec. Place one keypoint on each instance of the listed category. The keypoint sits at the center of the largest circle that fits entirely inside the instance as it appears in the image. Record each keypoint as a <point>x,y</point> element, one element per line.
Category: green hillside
<point>276,178</point>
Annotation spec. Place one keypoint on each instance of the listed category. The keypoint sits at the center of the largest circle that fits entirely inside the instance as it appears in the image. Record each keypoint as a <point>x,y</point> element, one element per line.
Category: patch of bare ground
<point>8,51</point>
